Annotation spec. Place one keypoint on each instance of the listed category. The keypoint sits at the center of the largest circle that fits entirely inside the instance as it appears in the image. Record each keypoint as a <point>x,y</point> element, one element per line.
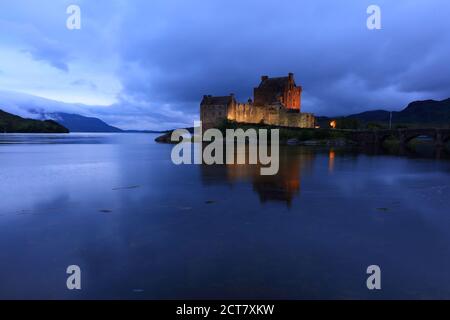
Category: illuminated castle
<point>277,101</point>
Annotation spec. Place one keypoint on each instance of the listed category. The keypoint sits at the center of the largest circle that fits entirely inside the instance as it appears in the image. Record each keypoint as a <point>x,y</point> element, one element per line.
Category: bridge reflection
<point>419,150</point>
<point>284,186</point>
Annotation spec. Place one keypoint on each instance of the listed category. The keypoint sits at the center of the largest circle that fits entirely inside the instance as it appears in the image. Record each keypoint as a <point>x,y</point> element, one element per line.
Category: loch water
<point>140,227</point>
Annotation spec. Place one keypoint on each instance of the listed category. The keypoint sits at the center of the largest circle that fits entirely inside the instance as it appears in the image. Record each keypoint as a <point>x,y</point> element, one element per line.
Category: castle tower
<point>279,90</point>
<point>215,110</point>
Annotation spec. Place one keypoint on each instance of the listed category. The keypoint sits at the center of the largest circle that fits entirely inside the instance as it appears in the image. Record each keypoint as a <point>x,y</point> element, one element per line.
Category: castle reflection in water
<point>284,186</point>
<point>296,162</point>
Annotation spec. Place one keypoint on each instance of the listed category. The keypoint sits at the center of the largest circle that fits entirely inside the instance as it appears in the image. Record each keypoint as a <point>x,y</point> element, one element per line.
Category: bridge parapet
<point>377,137</point>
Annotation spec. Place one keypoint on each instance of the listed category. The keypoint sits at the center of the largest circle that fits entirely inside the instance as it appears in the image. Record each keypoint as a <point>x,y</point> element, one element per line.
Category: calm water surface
<point>142,228</point>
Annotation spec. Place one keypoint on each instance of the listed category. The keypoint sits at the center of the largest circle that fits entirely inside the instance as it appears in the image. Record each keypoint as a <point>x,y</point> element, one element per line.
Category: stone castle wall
<point>270,115</point>
<point>213,116</point>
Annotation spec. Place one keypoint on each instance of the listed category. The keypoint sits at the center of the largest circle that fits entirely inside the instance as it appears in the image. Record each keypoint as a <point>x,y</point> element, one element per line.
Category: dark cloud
<point>54,56</point>
<point>181,51</point>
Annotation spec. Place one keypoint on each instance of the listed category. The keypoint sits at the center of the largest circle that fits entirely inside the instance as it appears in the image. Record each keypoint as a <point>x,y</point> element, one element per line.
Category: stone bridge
<point>377,137</point>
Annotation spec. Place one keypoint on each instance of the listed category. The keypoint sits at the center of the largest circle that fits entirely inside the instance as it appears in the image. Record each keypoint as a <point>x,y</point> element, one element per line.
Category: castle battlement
<point>277,101</point>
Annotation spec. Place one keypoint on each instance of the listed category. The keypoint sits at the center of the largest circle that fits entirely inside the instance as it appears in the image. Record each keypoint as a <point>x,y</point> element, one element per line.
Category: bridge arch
<point>406,139</point>
<point>439,136</point>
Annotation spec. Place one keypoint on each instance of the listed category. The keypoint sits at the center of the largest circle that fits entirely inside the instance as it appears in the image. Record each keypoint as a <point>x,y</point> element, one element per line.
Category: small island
<point>276,104</point>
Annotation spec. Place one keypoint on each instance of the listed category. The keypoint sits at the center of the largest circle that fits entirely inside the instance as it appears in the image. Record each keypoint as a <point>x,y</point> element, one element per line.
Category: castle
<point>277,101</point>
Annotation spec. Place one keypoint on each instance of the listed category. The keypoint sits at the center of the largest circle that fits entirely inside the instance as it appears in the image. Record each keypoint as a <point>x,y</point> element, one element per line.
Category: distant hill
<point>428,111</point>
<point>10,123</point>
<point>425,113</point>
<point>78,123</point>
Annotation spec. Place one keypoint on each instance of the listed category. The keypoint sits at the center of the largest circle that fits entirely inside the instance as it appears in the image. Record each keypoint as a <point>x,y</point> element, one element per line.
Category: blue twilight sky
<point>146,63</point>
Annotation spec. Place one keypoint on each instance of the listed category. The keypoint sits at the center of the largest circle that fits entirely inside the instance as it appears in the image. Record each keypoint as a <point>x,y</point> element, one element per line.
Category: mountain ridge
<point>417,113</point>
<point>78,123</point>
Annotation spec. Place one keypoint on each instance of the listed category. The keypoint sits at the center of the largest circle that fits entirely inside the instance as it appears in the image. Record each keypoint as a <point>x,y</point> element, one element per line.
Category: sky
<point>145,64</point>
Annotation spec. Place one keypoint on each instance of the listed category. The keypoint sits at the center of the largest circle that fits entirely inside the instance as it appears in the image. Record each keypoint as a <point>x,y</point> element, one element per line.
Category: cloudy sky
<point>146,63</point>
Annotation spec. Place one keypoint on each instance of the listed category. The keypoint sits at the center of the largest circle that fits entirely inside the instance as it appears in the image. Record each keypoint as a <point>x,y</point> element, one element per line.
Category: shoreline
<point>288,136</point>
